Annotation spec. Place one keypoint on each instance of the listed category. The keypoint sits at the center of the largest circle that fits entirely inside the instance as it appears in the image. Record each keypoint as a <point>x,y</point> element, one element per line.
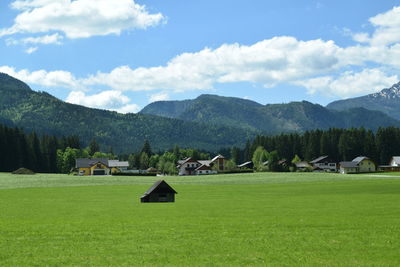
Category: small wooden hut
<point>160,191</point>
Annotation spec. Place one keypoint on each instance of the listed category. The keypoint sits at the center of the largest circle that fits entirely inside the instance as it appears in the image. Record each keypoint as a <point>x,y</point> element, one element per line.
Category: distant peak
<point>389,93</point>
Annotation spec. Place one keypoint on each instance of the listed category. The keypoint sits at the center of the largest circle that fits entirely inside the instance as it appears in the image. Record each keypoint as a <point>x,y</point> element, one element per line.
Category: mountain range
<point>208,122</point>
<point>269,119</point>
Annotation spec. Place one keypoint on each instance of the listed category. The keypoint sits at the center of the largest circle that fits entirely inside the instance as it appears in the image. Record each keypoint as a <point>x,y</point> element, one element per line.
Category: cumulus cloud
<point>159,97</point>
<point>45,78</point>
<point>78,19</point>
<point>350,83</point>
<point>266,62</point>
<point>387,29</point>
<point>111,100</point>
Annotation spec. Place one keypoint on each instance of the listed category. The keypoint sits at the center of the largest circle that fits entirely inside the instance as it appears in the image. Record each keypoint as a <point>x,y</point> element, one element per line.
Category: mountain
<point>387,101</point>
<point>39,111</point>
<point>271,118</point>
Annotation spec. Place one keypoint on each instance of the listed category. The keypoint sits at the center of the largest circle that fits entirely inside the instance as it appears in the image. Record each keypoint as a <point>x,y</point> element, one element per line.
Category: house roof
<point>183,161</point>
<point>245,164</point>
<point>348,164</point>
<point>156,185</point>
<point>360,158</point>
<point>217,157</point>
<point>318,159</point>
<point>86,163</point>
<point>117,163</point>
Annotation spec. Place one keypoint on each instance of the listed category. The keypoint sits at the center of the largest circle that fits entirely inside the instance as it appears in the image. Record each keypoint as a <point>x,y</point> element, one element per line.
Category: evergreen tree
<point>93,147</point>
<point>146,148</point>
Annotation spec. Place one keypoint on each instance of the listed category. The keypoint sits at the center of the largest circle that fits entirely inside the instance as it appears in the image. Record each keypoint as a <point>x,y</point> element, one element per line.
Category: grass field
<point>274,219</point>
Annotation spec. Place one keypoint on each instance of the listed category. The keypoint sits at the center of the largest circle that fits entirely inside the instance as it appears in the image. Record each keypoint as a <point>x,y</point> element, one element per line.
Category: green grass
<point>278,219</point>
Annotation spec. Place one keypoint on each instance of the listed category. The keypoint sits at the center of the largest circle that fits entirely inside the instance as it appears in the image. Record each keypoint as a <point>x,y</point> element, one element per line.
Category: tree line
<point>50,154</point>
<point>339,144</point>
<point>19,149</point>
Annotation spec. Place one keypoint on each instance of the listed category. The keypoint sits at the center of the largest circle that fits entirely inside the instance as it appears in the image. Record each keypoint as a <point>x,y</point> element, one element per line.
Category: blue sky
<point>123,54</point>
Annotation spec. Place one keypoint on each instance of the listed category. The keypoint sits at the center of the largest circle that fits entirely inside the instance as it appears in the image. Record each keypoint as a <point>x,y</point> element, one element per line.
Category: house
<point>394,165</point>
<point>117,165</point>
<point>160,191</point>
<point>190,166</point>
<point>359,164</point>
<point>303,166</point>
<point>99,166</point>
<point>324,163</point>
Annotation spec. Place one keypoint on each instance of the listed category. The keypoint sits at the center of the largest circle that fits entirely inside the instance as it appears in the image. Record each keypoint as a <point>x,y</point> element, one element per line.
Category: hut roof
<point>158,184</point>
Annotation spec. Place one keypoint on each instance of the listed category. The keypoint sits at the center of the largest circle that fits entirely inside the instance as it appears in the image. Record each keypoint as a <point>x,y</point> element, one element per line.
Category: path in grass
<point>226,220</point>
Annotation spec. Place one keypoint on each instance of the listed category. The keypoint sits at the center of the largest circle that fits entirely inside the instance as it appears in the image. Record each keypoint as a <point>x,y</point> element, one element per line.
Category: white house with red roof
<point>190,166</point>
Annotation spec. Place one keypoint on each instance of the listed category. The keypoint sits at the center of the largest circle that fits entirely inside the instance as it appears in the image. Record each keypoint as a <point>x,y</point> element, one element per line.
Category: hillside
<point>386,101</point>
<point>39,111</point>
<point>271,118</point>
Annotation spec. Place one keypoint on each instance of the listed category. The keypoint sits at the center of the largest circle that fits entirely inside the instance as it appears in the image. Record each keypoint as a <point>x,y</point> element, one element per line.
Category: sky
<point>122,55</point>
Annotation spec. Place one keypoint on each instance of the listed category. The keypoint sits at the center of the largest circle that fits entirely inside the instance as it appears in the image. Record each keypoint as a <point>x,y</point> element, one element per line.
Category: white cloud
<point>80,18</point>
<point>159,97</point>
<point>56,78</point>
<point>111,100</point>
<point>387,29</point>
<point>267,62</point>
<point>31,50</point>
<point>46,39</point>
<point>349,83</point>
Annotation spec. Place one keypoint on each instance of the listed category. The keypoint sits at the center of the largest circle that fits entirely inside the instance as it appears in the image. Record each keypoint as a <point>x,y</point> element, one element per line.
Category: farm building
<point>359,164</point>
<point>324,163</point>
<point>190,166</point>
<point>99,166</point>
<point>160,191</point>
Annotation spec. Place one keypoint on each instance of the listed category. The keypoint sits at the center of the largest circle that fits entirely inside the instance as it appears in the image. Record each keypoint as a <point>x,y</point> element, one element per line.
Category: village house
<point>192,166</point>
<point>99,166</point>
<point>359,164</point>
<point>324,163</point>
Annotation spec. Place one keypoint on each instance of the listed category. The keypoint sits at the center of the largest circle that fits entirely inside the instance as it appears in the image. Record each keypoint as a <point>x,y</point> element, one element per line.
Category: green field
<point>274,219</point>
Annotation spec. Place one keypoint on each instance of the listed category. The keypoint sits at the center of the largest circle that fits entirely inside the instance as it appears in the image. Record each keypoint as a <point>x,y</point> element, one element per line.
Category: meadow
<point>273,219</point>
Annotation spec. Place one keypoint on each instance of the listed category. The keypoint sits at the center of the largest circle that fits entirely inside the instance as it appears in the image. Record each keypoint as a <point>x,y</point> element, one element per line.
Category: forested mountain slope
<point>271,118</point>
<point>39,111</point>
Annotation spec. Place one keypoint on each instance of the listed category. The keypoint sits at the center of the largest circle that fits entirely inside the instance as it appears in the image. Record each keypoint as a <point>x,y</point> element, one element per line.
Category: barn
<point>160,191</point>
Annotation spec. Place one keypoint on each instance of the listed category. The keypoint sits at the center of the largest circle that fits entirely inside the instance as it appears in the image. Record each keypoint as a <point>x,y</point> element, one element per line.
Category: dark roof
<point>86,163</point>
<point>348,164</point>
<point>318,159</point>
<point>156,185</point>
